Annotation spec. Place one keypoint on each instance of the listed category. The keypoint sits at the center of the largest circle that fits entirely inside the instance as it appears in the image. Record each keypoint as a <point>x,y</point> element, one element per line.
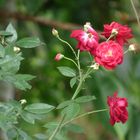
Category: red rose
<point>123,32</point>
<point>87,39</point>
<point>108,54</point>
<point>118,111</point>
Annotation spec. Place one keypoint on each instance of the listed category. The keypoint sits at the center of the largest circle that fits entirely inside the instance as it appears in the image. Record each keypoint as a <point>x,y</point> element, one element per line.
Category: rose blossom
<point>118,111</point>
<point>87,38</point>
<point>123,32</point>
<point>109,54</point>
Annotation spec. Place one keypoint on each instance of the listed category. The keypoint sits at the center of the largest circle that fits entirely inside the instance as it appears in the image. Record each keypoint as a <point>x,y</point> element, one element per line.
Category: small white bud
<point>16,49</point>
<point>23,101</point>
<point>87,26</point>
<point>95,66</point>
<point>114,32</point>
<point>54,32</point>
<point>132,47</point>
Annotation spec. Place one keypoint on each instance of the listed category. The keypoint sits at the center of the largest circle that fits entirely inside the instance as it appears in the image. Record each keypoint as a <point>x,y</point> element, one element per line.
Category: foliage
<point>38,61</point>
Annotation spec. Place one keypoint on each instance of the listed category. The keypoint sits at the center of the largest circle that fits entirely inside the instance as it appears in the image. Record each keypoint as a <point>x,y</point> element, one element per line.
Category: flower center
<point>109,53</point>
<point>90,35</point>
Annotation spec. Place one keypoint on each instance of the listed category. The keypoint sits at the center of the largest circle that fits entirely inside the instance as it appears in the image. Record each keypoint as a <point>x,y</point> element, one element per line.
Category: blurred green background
<point>37,18</point>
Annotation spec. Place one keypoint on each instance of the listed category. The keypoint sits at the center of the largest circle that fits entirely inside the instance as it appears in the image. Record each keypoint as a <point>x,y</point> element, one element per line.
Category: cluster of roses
<point>108,54</point>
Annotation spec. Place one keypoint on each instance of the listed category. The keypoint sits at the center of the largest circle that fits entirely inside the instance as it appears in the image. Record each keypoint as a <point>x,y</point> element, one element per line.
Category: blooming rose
<point>87,38</point>
<point>109,54</point>
<point>58,57</point>
<point>123,32</point>
<point>118,111</point>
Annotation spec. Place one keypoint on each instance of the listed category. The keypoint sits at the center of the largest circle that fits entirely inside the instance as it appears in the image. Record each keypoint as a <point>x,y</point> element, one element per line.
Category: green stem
<point>75,93</point>
<point>81,82</point>
<point>71,61</point>
<point>57,128</point>
<point>110,37</point>
<point>126,51</point>
<point>68,45</point>
<point>61,121</point>
<point>78,61</point>
<point>135,11</point>
<point>85,114</point>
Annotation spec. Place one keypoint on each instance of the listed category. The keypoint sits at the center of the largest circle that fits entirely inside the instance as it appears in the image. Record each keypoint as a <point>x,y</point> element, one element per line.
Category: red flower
<point>58,57</point>
<point>118,111</point>
<point>123,32</point>
<point>109,54</point>
<point>87,38</point>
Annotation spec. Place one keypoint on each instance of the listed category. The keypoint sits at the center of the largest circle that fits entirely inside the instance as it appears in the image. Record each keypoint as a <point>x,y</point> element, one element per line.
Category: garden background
<point>37,18</point>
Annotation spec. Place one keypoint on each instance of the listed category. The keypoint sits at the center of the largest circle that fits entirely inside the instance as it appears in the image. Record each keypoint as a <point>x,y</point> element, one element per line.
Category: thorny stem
<point>135,11</point>
<point>85,114</point>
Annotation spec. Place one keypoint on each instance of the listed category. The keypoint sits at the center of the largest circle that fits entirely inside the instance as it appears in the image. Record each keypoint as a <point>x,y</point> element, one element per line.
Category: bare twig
<point>40,20</point>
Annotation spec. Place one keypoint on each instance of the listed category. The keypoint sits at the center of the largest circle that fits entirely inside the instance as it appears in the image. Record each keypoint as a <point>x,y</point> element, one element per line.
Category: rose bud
<point>58,57</point>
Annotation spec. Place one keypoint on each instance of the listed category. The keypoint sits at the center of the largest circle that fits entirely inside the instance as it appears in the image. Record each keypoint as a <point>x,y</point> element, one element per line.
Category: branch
<point>40,20</point>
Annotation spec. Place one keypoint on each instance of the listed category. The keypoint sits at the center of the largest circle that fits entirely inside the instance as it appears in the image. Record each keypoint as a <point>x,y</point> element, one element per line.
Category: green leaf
<point>18,80</point>
<point>84,99</point>
<point>11,63</point>
<point>28,117</point>
<point>74,128</point>
<point>23,135</point>
<point>4,33</point>
<point>2,51</point>
<point>29,42</point>
<point>66,71</point>
<point>121,130</point>
<point>71,111</point>
<point>12,30</point>
<point>40,136</point>
<point>51,125</point>
<point>39,108</point>
<point>21,81</point>
<point>73,82</point>
<point>64,104</point>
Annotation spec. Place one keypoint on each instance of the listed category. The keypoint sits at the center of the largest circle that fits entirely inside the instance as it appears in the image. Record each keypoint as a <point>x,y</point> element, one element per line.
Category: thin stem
<point>126,51</point>
<point>110,37</point>
<point>71,61</point>
<point>57,128</point>
<point>78,61</point>
<point>82,78</point>
<point>91,59</point>
<point>68,45</point>
<point>135,11</point>
<point>85,114</point>
<point>81,82</point>
<point>77,89</point>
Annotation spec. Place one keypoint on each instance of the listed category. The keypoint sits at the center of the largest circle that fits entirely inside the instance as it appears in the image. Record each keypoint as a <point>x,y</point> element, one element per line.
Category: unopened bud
<point>114,32</point>
<point>87,26</point>
<point>16,49</point>
<point>23,101</point>
<point>95,66</point>
<point>132,47</point>
<point>58,57</point>
<point>54,32</point>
